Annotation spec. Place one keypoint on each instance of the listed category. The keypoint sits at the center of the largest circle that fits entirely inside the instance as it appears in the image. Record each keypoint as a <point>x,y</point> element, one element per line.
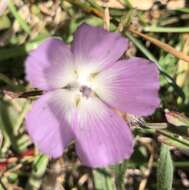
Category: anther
<point>86,91</point>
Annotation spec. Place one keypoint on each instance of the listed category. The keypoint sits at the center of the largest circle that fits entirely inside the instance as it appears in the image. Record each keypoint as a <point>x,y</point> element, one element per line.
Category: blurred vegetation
<point>158,30</point>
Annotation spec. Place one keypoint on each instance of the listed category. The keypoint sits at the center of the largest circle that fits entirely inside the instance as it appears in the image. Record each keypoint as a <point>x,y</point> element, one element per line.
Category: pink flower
<point>82,86</point>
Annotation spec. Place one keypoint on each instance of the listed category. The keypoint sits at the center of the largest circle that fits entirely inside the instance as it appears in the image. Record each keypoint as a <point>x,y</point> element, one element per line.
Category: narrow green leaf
<point>17,16</point>
<point>39,169</point>
<point>8,81</point>
<point>173,143</point>
<point>160,29</point>
<point>103,180</point>
<point>127,2</point>
<point>165,169</point>
<point>183,10</point>
<point>119,172</point>
<point>11,118</point>
<point>1,187</point>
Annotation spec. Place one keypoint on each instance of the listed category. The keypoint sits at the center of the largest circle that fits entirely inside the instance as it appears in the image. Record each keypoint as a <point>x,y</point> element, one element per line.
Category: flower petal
<point>102,137</point>
<point>50,66</point>
<point>49,122</point>
<point>93,45</point>
<point>130,86</point>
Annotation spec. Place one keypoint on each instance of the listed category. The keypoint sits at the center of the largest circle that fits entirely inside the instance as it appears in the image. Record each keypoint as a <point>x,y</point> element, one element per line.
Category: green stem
<point>183,10</point>
<point>6,80</point>
<point>167,134</point>
<point>166,29</point>
<point>95,5</point>
<point>142,48</point>
<point>116,12</point>
<point>39,168</point>
<point>181,164</point>
<point>127,2</point>
<point>174,137</point>
<point>17,16</point>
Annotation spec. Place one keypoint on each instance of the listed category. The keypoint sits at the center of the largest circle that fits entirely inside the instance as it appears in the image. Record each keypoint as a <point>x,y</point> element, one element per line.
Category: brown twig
<point>162,45</point>
<point>149,144</point>
<point>14,95</point>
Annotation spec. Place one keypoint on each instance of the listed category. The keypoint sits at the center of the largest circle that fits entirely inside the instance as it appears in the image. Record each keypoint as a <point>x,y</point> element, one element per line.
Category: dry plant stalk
<point>183,66</point>
<point>162,45</point>
<point>147,171</point>
<point>107,19</point>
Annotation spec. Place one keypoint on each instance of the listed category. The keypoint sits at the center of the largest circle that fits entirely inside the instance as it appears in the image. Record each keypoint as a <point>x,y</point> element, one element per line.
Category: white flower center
<point>84,83</point>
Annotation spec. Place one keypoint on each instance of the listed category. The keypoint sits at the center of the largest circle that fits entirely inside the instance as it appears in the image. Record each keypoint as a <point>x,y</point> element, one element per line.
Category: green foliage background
<point>160,160</point>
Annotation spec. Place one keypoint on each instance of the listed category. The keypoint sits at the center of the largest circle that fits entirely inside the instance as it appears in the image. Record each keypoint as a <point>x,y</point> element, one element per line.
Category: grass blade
<point>103,180</point>
<point>165,169</point>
